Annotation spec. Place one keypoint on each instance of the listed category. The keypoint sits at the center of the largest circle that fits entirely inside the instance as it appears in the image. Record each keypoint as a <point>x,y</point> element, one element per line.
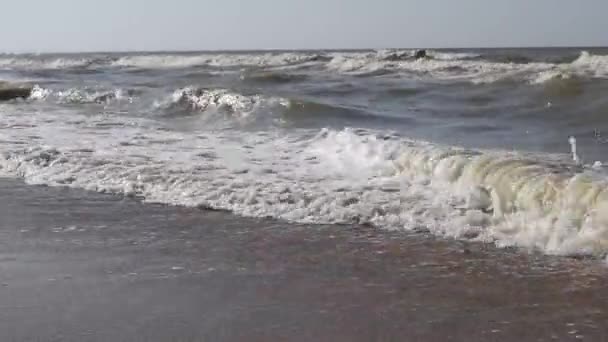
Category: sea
<point>502,147</point>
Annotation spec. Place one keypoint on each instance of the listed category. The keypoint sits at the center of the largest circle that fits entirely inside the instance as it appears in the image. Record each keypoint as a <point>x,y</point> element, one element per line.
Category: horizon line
<point>236,50</point>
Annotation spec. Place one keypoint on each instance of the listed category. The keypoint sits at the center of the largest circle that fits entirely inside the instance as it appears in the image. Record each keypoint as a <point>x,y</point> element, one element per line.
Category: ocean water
<point>505,147</point>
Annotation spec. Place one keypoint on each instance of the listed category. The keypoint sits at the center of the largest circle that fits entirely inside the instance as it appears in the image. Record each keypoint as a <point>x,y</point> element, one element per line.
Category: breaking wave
<point>441,65</point>
<point>540,202</point>
<point>216,60</point>
<point>201,100</point>
<point>454,56</point>
<point>193,100</point>
<point>20,62</point>
<point>467,67</point>
<point>81,96</point>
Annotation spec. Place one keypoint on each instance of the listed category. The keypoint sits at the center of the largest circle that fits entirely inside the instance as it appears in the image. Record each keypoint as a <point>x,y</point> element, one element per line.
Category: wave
<point>512,199</point>
<point>48,63</point>
<point>216,60</point>
<point>283,67</point>
<point>453,56</point>
<point>593,65</point>
<point>475,71</point>
<point>280,110</point>
<point>262,174</point>
<point>203,100</point>
<point>81,96</point>
<point>162,61</point>
<point>541,202</point>
<point>468,67</point>
<point>400,55</point>
<point>585,66</point>
<point>193,100</point>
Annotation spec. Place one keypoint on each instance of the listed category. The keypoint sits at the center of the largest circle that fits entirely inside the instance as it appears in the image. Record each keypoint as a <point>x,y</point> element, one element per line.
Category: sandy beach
<point>80,266</point>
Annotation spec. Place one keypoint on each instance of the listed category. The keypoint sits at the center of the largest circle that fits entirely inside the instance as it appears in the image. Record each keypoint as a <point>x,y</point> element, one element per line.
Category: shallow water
<point>80,266</point>
<point>471,144</point>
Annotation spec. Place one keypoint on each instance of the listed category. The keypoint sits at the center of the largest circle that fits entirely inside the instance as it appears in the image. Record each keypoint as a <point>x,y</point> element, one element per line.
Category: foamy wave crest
<point>551,75</point>
<point>396,55</point>
<point>467,67</point>
<point>328,178</point>
<point>359,63</point>
<point>594,65</point>
<point>162,61</point>
<point>449,68</point>
<point>519,200</point>
<point>585,66</point>
<point>81,96</point>
<point>540,202</point>
<point>453,56</point>
<point>215,60</point>
<point>200,99</point>
<point>22,62</point>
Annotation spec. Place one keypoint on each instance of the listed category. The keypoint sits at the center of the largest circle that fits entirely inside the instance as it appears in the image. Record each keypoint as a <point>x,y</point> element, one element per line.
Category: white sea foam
<point>593,65</point>
<point>453,67</point>
<point>162,61</point>
<point>536,203</point>
<point>453,56</point>
<point>541,202</point>
<point>80,95</point>
<point>215,60</point>
<point>586,65</point>
<point>200,99</point>
<point>465,67</point>
<point>21,62</point>
<point>550,75</point>
<point>459,66</point>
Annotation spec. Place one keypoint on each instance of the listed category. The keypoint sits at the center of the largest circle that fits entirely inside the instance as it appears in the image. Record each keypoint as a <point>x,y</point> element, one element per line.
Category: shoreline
<point>81,266</point>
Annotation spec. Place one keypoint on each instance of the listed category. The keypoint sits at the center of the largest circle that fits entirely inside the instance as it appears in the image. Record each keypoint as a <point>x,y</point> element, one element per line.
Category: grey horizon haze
<point>138,25</point>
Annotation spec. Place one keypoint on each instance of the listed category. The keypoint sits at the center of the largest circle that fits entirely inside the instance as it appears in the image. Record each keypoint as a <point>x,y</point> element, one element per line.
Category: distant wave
<point>535,202</point>
<point>585,66</point>
<point>216,60</point>
<point>283,67</point>
<point>192,100</point>
<point>162,61</point>
<point>400,54</point>
<point>82,96</point>
<point>25,62</point>
<point>454,56</point>
<point>470,68</point>
<point>203,100</point>
<point>594,65</point>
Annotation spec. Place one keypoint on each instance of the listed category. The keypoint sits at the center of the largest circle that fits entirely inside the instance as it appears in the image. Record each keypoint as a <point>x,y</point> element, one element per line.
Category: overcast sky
<point>86,25</point>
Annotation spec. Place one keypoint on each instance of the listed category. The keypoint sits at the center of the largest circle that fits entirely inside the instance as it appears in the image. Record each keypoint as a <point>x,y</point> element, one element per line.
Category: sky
<point>137,25</point>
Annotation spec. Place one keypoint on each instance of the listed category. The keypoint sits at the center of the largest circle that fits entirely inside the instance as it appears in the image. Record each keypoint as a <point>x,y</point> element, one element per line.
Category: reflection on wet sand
<point>71,272</point>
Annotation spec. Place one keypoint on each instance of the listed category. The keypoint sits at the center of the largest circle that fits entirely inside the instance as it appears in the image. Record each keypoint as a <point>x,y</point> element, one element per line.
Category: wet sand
<point>80,266</point>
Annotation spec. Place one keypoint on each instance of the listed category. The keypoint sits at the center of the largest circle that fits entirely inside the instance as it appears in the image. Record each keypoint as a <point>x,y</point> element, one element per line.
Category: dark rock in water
<point>420,54</point>
<point>14,91</point>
